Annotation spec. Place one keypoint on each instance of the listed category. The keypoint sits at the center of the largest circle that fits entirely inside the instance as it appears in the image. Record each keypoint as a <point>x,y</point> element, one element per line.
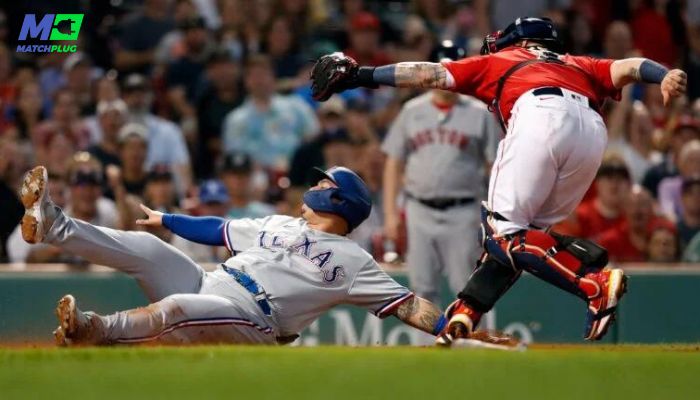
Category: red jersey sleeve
<point>468,73</point>
<point>599,70</point>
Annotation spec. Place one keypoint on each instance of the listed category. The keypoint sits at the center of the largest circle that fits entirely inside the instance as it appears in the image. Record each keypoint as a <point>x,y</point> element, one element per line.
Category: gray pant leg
<point>187,319</point>
<point>458,244</point>
<point>159,268</point>
<point>422,258</point>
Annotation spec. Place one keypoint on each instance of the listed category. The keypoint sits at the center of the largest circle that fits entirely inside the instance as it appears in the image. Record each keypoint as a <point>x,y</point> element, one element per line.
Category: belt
<point>555,91</point>
<point>250,285</point>
<point>443,203</point>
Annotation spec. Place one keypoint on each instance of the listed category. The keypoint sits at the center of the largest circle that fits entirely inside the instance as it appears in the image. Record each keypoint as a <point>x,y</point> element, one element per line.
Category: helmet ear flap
<point>489,46</point>
<point>336,198</point>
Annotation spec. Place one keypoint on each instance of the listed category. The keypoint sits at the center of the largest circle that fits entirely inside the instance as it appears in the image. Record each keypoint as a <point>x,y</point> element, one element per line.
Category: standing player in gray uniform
<point>443,143</point>
<point>284,274</point>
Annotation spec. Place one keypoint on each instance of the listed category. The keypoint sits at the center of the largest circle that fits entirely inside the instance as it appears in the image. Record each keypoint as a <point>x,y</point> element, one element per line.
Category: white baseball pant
<point>547,160</point>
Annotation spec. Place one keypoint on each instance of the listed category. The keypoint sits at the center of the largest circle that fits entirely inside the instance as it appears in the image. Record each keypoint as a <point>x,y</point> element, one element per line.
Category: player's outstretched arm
<point>673,82</point>
<point>412,75</point>
<point>334,73</point>
<point>204,230</point>
<point>420,314</point>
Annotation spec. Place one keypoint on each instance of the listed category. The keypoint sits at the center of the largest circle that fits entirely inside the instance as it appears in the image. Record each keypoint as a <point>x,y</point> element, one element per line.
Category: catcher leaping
<point>548,105</point>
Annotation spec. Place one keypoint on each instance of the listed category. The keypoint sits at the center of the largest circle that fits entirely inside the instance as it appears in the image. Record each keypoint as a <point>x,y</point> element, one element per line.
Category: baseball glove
<point>331,74</point>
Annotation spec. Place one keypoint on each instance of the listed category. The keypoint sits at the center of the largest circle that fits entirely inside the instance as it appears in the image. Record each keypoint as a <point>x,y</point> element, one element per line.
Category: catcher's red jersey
<point>478,76</point>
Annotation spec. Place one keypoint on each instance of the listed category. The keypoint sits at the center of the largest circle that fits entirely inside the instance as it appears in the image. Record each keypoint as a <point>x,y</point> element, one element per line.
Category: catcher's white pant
<point>547,161</point>
<point>189,305</point>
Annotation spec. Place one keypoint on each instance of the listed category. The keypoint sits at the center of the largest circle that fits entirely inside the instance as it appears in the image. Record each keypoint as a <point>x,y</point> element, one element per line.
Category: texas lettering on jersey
<point>305,248</point>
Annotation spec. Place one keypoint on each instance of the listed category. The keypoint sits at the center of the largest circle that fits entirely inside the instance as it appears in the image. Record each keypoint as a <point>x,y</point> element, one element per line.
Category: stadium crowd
<point>204,107</point>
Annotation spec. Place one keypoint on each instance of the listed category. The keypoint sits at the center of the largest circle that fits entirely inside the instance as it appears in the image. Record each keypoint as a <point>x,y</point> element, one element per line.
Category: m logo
<point>51,27</point>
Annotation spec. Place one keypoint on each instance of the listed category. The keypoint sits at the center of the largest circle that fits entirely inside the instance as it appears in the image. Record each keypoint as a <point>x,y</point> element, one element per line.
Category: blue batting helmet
<point>350,200</point>
<point>529,28</point>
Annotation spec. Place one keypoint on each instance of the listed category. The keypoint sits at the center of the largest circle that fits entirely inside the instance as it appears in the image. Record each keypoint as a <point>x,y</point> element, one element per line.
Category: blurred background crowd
<point>204,107</point>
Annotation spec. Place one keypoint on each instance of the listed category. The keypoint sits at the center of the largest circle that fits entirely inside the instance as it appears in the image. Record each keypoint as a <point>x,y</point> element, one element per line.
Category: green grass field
<point>335,373</point>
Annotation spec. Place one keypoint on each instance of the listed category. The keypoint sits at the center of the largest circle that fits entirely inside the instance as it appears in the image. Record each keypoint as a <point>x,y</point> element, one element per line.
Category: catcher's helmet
<point>447,51</point>
<point>541,30</point>
<point>350,200</point>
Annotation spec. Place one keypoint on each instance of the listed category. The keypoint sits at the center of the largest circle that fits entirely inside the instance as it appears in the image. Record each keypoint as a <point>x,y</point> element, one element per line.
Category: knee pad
<point>488,283</point>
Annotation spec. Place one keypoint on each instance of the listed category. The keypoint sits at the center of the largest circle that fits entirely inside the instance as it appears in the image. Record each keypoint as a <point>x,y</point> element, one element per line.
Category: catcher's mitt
<point>333,73</point>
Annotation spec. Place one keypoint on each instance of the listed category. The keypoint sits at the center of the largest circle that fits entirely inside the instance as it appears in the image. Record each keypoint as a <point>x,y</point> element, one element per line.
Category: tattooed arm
<point>673,83</point>
<point>421,314</point>
<point>411,74</point>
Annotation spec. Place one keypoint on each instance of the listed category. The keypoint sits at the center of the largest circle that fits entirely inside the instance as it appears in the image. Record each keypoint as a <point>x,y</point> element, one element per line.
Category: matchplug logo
<point>52,27</point>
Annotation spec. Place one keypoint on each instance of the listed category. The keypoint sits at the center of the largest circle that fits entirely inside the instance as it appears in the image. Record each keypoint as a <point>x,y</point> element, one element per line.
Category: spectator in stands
<point>663,243</point>
<point>628,242</point>
<point>107,88</point>
<point>85,202</point>
<point>688,225</point>
<point>282,47</point>
<point>54,151</point>
<point>686,129</point>
<point>9,202</point>
<point>27,112</point>
<point>236,175</point>
<point>213,201</point>
<point>618,42</point>
<point>185,72</point>
<point>222,94</point>
<point>171,46</point>
<point>333,145</point>
<point>670,187</point>
<point>416,42</point>
<point>435,13</point>
<point>133,147</point>
<point>653,32</point>
<point>267,126</point>
<point>140,33</point>
<point>79,75</point>
<point>692,62</point>
<point>364,34</point>
<point>111,116</point>
<point>607,209</point>
<point>160,194</point>
<point>64,121</point>
<point>166,144</point>
<point>358,122</point>
<point>635,144</point>
<point>184,76</point>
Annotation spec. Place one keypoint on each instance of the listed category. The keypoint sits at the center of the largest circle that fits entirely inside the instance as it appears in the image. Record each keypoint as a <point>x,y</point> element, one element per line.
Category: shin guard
<point>490,280</point>
<point>559,260</point>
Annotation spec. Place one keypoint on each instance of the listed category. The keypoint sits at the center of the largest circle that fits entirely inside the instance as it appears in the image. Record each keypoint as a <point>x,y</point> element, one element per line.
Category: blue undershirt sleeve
<point>204,230</point>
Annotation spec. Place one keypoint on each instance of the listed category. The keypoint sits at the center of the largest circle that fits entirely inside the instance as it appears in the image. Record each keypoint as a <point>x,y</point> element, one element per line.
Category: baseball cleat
<point>34,198</point>
<point>461,322</point>
<point>73,324</point>
<point>60,338</point>
<point>602,309</point>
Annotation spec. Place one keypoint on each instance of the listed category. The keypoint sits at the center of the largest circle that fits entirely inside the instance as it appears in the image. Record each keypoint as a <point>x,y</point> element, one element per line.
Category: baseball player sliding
<point>285,271</point>
<point>547,103</point>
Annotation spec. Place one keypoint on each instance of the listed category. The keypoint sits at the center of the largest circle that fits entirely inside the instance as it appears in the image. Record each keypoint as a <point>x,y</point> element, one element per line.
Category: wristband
<point>439,325</point>
<point>365,77</point>
<point>652,72</point>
